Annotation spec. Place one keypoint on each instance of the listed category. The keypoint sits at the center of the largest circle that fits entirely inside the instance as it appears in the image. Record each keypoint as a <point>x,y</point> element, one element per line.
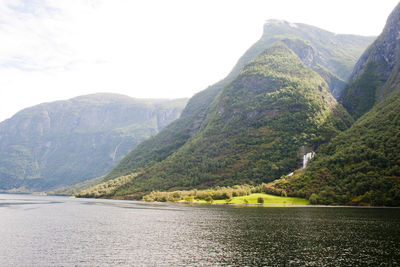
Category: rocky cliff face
<point>335,52</point>
<point>314,59</point>
<point>373,74</point>
<point>66,142</point>
<point>385,49</point>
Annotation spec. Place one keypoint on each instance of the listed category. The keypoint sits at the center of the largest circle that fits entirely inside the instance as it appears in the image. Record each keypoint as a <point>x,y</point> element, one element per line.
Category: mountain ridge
<point>65,142</point>
<point>378,65</point>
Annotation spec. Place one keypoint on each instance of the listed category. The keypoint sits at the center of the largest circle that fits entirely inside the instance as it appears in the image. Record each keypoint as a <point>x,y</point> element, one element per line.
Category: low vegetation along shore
<point>244,195</point>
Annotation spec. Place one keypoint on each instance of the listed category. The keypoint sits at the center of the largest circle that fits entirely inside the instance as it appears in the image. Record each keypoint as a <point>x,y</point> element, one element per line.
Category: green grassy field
<point>253,199</point>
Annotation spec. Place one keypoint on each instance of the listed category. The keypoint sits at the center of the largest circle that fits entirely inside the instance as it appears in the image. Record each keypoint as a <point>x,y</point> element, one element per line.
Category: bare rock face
<point>378,65</point>
<point>335,52</point>
<point>318,60</point>
<point>66,142</point>
<point>331,55</point>
<point>385,50</point>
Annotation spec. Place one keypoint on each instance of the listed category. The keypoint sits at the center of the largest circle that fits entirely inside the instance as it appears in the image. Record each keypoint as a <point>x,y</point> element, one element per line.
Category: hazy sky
<point>58,49</point>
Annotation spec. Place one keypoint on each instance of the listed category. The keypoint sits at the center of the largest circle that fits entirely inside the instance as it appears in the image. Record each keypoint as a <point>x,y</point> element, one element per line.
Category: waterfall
<point>307,157</point>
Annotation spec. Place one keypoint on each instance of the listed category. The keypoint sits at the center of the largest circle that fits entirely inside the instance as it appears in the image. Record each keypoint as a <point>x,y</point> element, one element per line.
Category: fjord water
<point>61,231</point>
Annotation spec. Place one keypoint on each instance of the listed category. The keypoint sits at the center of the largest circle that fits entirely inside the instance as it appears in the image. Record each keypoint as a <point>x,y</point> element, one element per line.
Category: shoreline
<point>270,206</point>
<point>214,204</point>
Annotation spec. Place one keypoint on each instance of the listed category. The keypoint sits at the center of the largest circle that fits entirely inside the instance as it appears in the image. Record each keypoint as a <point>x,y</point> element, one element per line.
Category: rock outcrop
<point>373,75</point>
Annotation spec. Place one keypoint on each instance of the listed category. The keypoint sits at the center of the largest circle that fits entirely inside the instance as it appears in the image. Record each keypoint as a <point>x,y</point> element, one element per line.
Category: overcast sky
<point>58,49</point>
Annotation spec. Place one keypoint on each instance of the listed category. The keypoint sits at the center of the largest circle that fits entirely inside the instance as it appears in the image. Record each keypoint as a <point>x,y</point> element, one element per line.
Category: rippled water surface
<point>60,231</point>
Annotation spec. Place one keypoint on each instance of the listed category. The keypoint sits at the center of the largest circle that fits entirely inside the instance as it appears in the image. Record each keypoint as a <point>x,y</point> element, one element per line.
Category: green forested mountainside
<point>67,142</point>
<point>71,190</point>
<point>376,74</point>
<point>335,53</point>
<point>361,166</point>
<point>106,189</point>
<point>254,131</point>
<point>171,138</point>
<point>330,55</point>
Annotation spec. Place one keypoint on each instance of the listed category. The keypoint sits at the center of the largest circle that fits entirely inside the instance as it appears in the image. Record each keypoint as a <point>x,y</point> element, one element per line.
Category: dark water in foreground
<point>48,231</point>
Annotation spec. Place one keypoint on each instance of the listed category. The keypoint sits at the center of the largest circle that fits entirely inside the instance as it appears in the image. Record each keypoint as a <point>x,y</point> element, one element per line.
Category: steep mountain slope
<point>331,55</point>
<point>171,138</point>
<point>362,165</point>
<point>376,74</point>
<point>254,131</point>
<point>66,142</point>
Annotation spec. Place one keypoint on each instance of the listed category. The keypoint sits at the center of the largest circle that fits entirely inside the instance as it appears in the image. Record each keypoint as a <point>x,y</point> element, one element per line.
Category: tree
<point>209,199</point>
<point>228,200</point>
<point>314,198</point>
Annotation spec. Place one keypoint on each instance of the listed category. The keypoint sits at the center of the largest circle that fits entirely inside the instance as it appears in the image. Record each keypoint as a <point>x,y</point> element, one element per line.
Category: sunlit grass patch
<point>254,199</point>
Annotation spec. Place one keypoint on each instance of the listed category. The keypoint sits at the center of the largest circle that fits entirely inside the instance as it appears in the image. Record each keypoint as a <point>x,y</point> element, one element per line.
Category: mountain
<point>250,129</point>
<point>361,166</point>
<point>254,131</point>
<point>376,74</point>
<point>331,55</point>
<point>67,142</point>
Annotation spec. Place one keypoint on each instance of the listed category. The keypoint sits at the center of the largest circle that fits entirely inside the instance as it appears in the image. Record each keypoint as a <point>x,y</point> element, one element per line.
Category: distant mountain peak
<point>278,22</point>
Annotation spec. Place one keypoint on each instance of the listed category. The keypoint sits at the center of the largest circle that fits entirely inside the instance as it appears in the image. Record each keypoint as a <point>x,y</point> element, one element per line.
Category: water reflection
<point>63,231</point>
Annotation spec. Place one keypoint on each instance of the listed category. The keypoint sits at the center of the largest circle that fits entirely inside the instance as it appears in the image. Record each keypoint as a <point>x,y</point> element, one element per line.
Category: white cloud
<point>56,49</point>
